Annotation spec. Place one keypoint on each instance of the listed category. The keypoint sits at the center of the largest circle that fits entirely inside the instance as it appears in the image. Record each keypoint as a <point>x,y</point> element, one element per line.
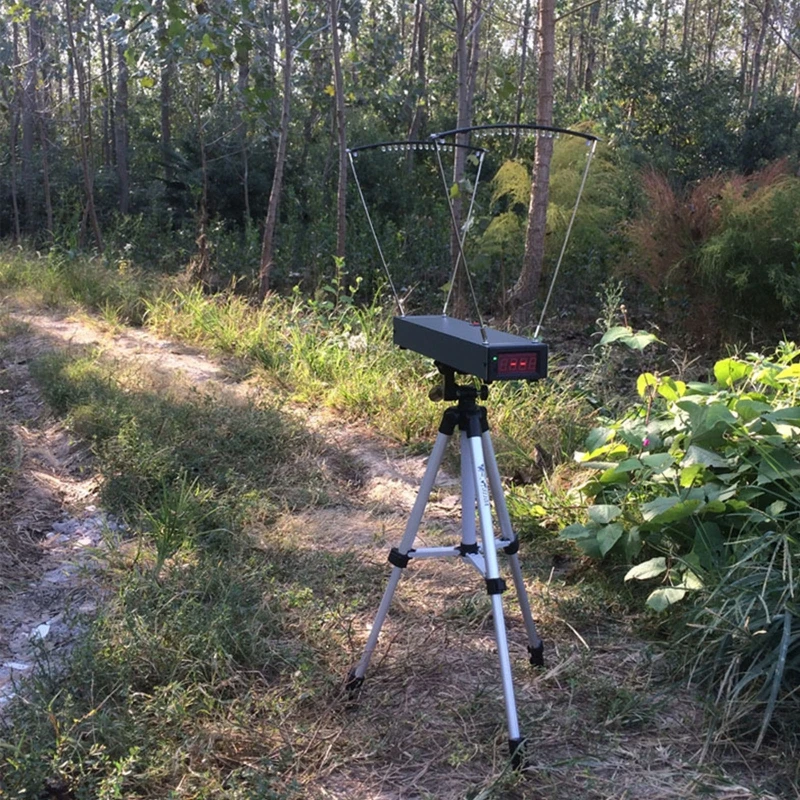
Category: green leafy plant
<point>700,482</point>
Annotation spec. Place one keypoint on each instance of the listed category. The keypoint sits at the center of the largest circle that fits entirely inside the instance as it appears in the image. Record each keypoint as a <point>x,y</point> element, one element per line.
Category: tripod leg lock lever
<point>398,559</point>
<point>495,585</point>
<point>512,548</point>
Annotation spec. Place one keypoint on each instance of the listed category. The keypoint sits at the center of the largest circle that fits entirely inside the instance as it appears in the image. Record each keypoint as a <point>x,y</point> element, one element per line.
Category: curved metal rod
<point>515,126</point>
<point>566,236</point>
<point>408,146</point>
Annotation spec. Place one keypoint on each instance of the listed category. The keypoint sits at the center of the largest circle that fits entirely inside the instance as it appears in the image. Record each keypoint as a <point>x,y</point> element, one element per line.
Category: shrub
<point>702,480</point>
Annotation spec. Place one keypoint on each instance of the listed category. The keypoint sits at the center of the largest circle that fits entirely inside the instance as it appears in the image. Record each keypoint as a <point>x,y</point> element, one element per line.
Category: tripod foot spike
<point>353,682</point>
<point>516,750</point>
<point>537,654</point>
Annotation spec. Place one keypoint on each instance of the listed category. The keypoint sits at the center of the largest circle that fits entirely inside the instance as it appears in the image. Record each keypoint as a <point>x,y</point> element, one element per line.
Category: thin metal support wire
<point>375,236</point>
<point>460,237</point>
<point>566,238</point>
<point>463,235</point>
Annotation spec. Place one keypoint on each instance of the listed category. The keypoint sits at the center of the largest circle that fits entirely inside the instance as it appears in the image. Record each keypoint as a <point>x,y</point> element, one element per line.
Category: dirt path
<point>52,523</point>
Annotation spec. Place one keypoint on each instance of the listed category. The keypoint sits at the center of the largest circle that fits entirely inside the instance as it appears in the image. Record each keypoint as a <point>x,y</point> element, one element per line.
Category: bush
<point>703,481</point>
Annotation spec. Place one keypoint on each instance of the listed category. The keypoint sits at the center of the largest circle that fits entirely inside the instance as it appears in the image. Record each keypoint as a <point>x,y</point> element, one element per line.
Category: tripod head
<point>450,391</point>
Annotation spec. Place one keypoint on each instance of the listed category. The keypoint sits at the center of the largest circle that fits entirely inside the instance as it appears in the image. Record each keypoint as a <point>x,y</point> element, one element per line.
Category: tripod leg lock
<point>398,559</point>
<point>512,548</point>
<point>495,585</point>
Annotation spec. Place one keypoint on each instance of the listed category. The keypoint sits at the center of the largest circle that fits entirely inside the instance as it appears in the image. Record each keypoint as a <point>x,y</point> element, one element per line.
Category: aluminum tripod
<point>480,484</point>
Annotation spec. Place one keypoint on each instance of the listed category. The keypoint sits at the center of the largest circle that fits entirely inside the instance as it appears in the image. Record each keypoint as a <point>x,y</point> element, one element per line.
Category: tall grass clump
<point>150,441</point>
<point>63,279</point>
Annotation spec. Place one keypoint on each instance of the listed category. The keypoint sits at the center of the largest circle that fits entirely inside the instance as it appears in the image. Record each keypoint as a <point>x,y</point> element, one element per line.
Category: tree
<point>268,243</point>
<point>341,133</point>
<point>527,285</point>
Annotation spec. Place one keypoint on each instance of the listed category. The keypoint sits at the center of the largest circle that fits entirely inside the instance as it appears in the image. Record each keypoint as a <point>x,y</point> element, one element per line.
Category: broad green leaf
<point>575,531</point>
<point>669,509</point>
<point>701,388</point>
<point>647,569</point>
<point>640,340</point>
<point>729,370</point>
<point>671,389</point>
<point>786,416</point>
<point>709,546</point>
<point>646,383</point>
<point>608,536</point>
<point>791,372</point>
<point>603,514</point>
<point>777,508</point>
<point>615,333</point>
<point>689,475</point>
<point>748,409</point>
<point>598,437</point>
<point>699,455</point>
<point>776,464</point>
<point>691,580</point>
<point>663,598</point>
<point>454,191</point>
<point>658,462</point>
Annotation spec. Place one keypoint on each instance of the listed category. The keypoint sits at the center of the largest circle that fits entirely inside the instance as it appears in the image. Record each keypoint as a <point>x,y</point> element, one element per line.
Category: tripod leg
<point>399,557</point>
<point>535,644</point>
<point>494,586</point>
<point>469,541</point>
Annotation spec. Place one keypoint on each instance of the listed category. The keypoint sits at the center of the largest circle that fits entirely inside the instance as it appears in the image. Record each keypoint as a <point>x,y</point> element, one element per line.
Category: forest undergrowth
<point>214,667</point>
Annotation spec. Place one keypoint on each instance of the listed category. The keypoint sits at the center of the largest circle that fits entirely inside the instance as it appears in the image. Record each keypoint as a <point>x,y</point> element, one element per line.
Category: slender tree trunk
<point>759,46</point>
<point>165,91</point>
<point>417,64</point>
<point>29,104</point>
<point>268,242</point>
<point>106,69</point>
<point>48,196</point>
<point>338,93</point>
<point>121,138</point>
<point>523,66</point>
<point>527,285</point>
<point>591,50</point>
<point>12,104</point>
<point>686,40</point>
<point>463,120</point>
<point>84,129</point>
<point>242,82</point>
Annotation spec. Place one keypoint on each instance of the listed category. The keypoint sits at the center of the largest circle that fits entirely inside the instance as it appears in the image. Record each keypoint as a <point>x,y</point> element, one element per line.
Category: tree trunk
<point>268,243</point>
<point>338,93</point>
<point>48,196</point>
<point>527,285</point>
<point>12,106</point>
<point>463,120</point>
<point>165,91</point>
<point>242,82</point>
<point>29,182</point>
<point>121,137</point>
<point>523,64</point>
<point>591,50</point>
<point>84,130</point>
<point>757,51</point>
<point>417,64</point>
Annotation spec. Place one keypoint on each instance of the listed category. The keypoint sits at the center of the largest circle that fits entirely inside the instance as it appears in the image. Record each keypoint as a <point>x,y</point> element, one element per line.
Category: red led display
<point>511,365</point>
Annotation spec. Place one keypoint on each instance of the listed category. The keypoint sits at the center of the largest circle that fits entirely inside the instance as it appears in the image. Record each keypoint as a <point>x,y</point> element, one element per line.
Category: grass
<point>214,666</point>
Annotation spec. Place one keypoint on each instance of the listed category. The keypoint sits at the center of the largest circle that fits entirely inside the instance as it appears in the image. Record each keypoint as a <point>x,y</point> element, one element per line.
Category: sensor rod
<point>375,236</point>
<point>460,236</point>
